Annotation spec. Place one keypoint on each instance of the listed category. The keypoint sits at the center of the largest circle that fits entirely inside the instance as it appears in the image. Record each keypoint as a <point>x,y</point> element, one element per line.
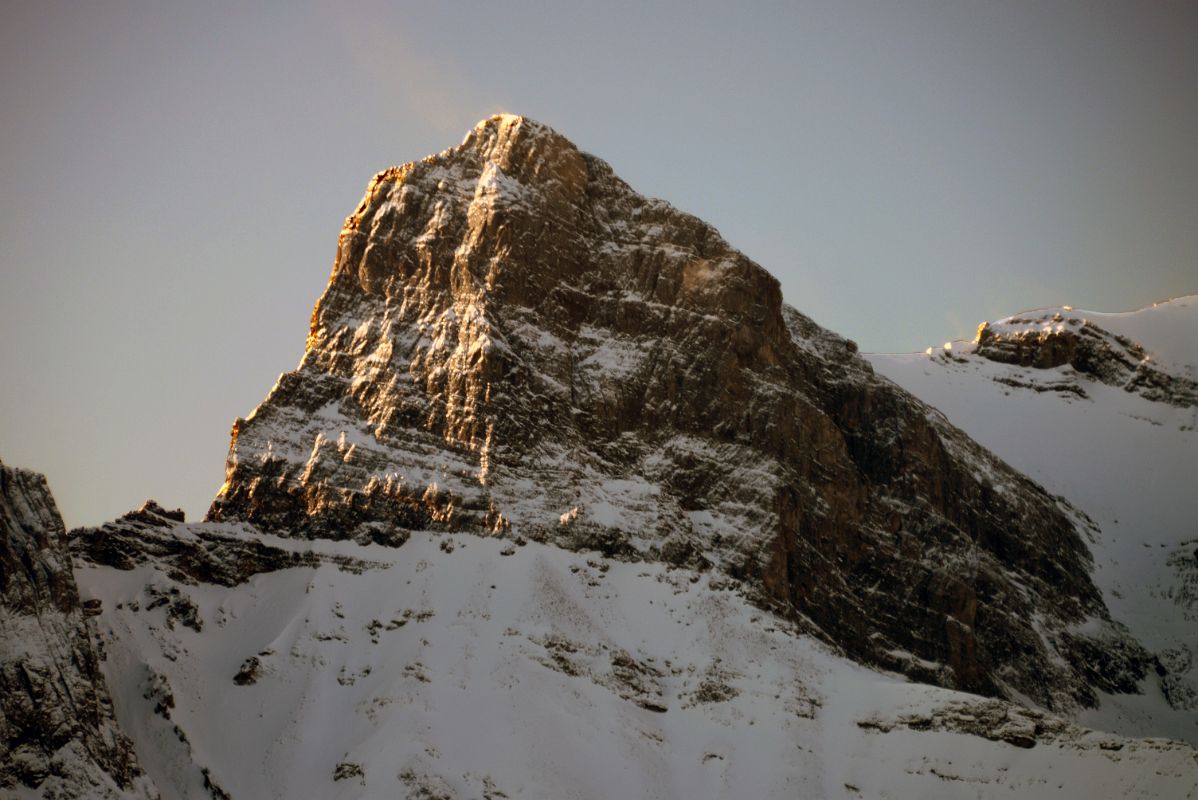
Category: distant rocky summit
<point>58,735</point>
<point>513,342</point>
<point>1093,346</point>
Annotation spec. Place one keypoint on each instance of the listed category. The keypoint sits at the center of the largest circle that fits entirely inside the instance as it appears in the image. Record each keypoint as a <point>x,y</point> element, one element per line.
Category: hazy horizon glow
<point>175,176</point>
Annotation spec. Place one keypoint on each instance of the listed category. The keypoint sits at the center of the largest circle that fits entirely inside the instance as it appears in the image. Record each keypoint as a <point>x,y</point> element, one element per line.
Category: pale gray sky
<point>173,177</point>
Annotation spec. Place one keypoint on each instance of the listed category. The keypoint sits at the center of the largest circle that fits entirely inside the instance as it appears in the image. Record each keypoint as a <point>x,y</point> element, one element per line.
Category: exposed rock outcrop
<point>220,555</point>
<point>1050,339</point>
<point>58,735</point>
<point>514,342</point>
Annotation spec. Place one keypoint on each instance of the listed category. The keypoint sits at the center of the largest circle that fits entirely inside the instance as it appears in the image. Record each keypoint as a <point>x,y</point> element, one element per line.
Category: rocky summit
<point>515,343</point>
<point>1093,348</point>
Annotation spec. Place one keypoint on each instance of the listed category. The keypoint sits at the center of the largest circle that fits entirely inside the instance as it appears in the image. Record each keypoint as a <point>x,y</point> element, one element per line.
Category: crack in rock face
<point>514,342</point>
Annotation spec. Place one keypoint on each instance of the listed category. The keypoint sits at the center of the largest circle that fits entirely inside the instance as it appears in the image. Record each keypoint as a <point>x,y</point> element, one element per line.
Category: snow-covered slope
<point>1086,429</point>
<point>465,667</point>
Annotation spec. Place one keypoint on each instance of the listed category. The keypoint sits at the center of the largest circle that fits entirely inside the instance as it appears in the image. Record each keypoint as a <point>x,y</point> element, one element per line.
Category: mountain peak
<point>514,342</point>
<point>508,122</point>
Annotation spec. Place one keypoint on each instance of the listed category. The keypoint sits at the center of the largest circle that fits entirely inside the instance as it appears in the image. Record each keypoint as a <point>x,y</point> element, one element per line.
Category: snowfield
<point>460,666</point>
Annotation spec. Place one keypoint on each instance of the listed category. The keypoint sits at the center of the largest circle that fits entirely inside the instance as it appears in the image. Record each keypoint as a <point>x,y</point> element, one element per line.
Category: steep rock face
<point>58,737</point>
<point>514,342</point>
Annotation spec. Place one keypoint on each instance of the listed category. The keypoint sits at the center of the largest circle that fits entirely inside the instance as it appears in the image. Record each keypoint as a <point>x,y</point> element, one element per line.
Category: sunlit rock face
<point>513,342</point>
<point>1059,337</point>
<point>58,735</point>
